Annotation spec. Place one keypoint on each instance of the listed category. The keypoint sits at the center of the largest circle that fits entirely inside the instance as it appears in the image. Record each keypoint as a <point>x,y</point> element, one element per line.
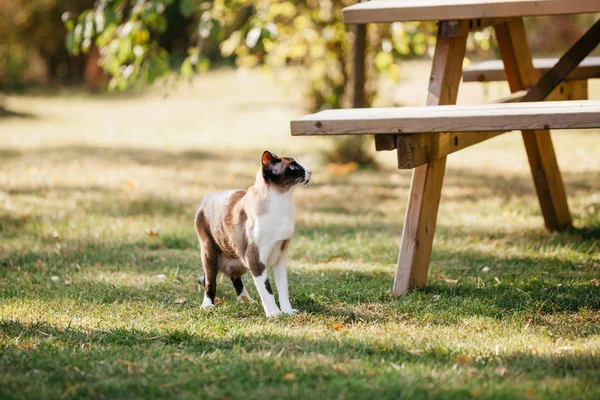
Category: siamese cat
<point>251,230</point>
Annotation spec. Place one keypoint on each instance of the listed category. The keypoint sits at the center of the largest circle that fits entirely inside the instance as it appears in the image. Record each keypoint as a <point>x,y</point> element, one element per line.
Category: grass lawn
<point>97,252</point>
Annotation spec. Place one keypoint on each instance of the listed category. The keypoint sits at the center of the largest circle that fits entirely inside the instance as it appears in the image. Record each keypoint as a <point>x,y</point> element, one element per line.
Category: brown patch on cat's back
<point>233,241</point>
<point>235,213</point>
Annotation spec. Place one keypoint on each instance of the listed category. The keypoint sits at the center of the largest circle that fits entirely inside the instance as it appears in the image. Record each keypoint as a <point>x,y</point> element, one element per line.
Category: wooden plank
<point>434,10</point>
<point>493,70</point>
<point>417,151</point>
<point>521,74</point>
<point>473,118</point>
<point>567,63</point>
<point>427,180</point>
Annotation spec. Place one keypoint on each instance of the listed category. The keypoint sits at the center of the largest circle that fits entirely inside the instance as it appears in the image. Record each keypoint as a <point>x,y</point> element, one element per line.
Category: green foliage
<point>304,40</point>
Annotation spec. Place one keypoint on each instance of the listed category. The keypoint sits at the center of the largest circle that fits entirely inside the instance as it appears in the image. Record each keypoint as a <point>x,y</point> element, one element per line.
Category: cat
<point>251,230</point>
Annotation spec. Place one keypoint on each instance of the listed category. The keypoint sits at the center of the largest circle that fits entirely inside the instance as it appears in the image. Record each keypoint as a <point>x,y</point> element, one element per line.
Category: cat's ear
<point>268,158</point>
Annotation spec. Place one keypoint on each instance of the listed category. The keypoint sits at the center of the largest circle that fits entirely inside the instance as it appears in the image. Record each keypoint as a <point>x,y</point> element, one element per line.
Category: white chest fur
<point>274,226</point>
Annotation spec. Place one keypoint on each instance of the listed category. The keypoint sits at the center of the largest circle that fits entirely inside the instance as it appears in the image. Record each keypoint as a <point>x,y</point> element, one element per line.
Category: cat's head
<point>284,172</point>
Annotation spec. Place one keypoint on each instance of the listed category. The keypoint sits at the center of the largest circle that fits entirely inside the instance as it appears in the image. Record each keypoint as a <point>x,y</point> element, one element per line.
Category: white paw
<point>291,311</point>
<point>207,303</point>
<point>273,314</point>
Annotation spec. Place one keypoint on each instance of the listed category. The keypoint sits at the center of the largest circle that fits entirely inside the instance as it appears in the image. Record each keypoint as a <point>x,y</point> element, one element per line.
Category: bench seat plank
<point>493,70</point>
<point>487,117</point>
<point>433,10</point>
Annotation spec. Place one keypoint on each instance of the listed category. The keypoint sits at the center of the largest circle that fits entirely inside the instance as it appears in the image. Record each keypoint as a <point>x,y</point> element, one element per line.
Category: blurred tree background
<point>124,44</point>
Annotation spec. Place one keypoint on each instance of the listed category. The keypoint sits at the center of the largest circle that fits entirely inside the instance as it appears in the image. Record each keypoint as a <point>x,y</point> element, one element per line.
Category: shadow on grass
<point>142,156</point>
<point>527,287</point>
<point>241,350</point>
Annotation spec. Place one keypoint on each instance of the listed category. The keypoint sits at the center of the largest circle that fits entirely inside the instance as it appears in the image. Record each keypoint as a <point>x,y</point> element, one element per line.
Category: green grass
<point>87,296</point>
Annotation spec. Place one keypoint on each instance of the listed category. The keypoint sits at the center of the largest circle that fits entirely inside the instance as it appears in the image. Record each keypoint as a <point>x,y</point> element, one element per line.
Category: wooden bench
<point>575,86</point>
<point>423,137</point>
<point>417,129</point>
<point>451,118</point>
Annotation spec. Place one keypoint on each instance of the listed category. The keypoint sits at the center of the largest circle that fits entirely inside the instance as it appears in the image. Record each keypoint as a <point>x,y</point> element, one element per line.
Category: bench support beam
<point>387,142</point>
<point>427,180</point>
<point>521,74</point>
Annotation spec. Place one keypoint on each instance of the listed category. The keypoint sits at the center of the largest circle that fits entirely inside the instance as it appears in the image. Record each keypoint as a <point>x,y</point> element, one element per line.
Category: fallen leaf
<point>451,281</point>
<point>54,278</point>
<point>338,327</point>
<point>151,232</point>
<point>530,392</point>
<point>180,300</point>
<point>56,235</point>
<point>290,377</point>
<point>438,276</point>
<point>68,282</point>
<point>497,280</point>
<point>160,277</point>
<point>501,371</point>
<point>485,269</point>
<point>219,300</point>
<point>595,282</point>
<point>463,359</point>
<point>341,168</point>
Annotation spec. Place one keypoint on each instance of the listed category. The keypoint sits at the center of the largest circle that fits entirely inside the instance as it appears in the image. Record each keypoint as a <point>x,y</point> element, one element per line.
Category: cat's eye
<point>292,167</point>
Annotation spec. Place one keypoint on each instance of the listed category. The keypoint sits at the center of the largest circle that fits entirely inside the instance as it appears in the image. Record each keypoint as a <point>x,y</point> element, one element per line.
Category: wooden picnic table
<point>423,137</point>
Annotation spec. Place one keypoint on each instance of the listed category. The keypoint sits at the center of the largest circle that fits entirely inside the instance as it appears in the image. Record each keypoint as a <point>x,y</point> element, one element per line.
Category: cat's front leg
<point>281,281</point>
<point>258,269</point>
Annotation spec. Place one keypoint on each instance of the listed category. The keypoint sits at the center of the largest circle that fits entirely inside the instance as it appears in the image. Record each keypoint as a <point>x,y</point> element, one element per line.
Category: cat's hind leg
<point>210,265</point>
<point>241,291</point>
<point>210,261</point>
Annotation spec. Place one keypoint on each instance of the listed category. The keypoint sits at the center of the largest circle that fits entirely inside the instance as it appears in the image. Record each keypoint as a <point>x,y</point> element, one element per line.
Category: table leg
<point>427,180</point>
<point>520,74</point>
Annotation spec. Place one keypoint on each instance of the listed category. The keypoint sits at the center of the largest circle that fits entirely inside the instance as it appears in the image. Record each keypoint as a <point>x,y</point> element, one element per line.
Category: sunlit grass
<point>97,197</point>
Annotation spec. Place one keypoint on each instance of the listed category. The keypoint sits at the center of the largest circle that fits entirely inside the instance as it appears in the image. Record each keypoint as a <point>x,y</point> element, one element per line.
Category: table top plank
<point>474,118</point>
<point>435,10</point>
